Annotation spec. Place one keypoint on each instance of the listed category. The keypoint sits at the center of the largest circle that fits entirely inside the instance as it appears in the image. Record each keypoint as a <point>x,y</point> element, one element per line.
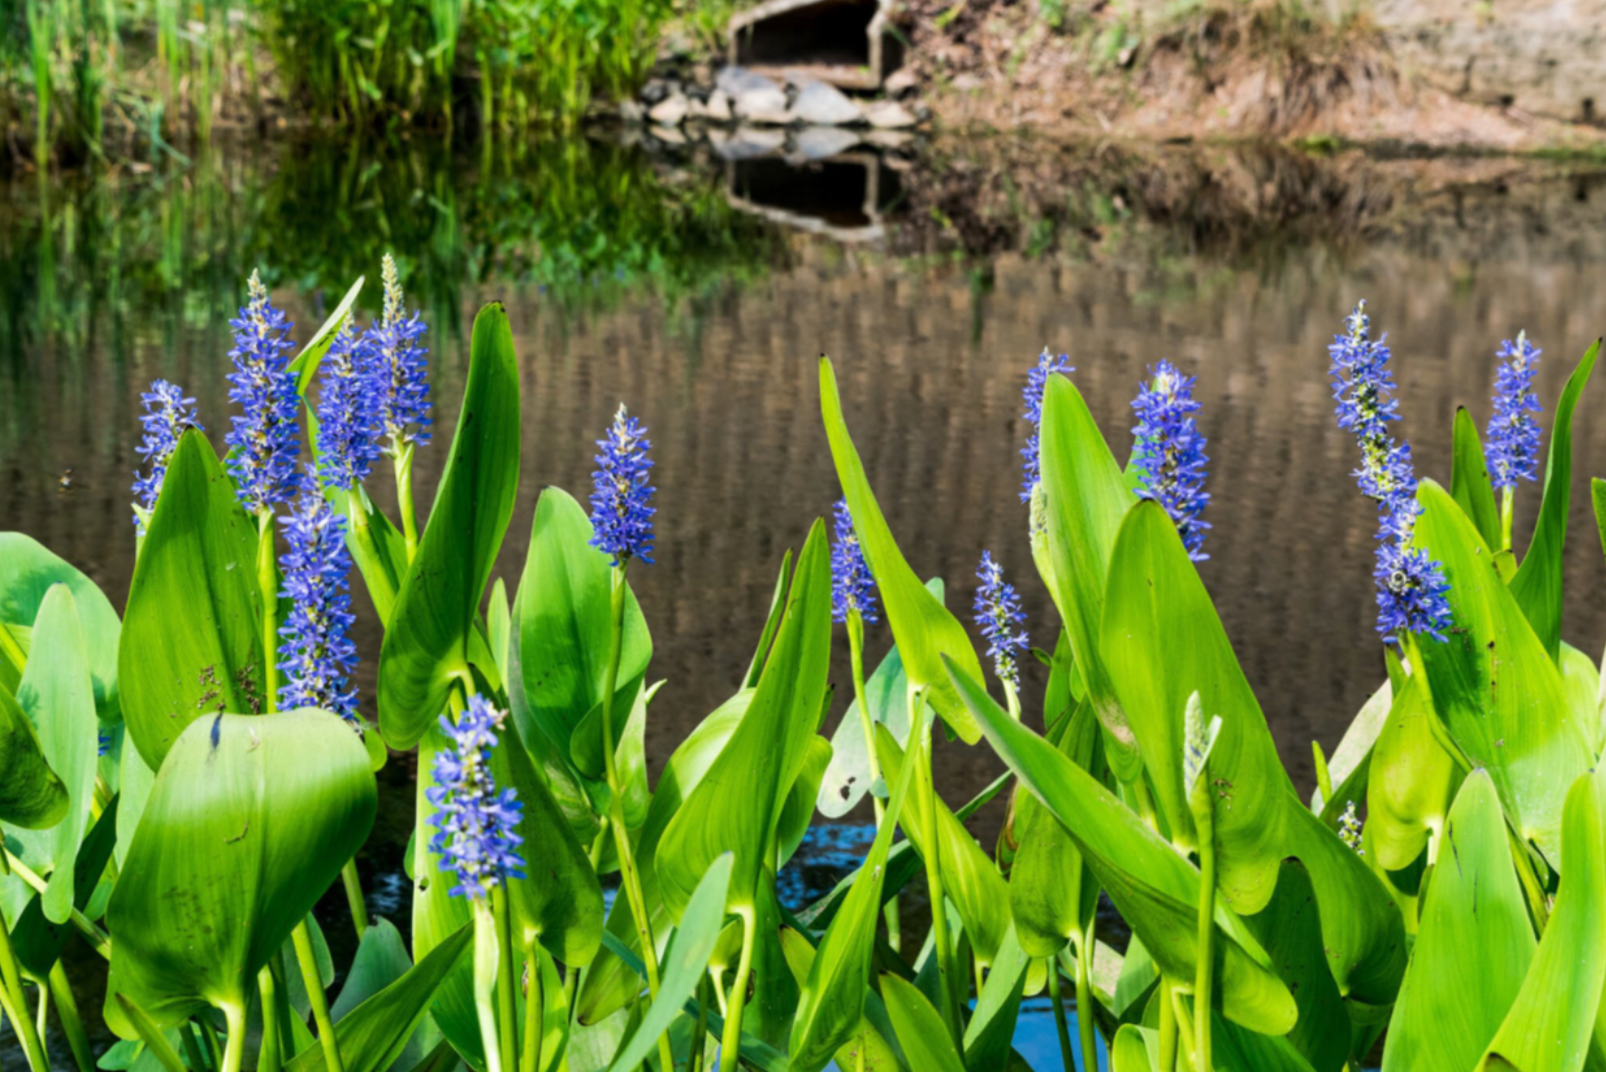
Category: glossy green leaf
<point>248,824</point>
<point>870,1040</point>
<point>1162,642</point>
<point>1473,946</point>
<point>135,781</point>
<point>1413,780</point>
<point>191,644</point>
<point>377,546</point>
<point>374,1034</point>
<point>797,810</point>
<point>1580,679</point>
<point>1469,479</point>
<point>685,960</point>
<point>991,1029</point>
<point>1537,585</point>
<point>924,630</point>
<point>32,796</point>
<point>1550,1025</point>
<point>1290,930</point>
<point>27,572</point>
<point>305,363</point>
<point>772,622</point>
<point>736,805</point>
<point>1499,695</point>
<point>427,641</point>
<point>1155,889</point>
<point>1130,1051</point>
<point>925,1041</point>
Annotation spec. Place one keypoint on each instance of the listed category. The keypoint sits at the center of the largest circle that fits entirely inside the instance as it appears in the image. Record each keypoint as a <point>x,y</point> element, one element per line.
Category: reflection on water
<point>661,287</point>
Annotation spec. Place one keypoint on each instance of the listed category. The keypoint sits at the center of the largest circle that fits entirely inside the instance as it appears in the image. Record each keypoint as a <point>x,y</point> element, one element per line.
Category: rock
<point>738,80</point>
<point>889,115</point>
<point>718,107</point>
<point>668,135</point>
<point>820,104</point>
<point>654,91</point>
<point>889,139</point>
<point>748,142</point>
<point>900,82</point>
<point>752,96</point>
<point>820,143</point>
<point>631,112</point>
<point>669,111</point>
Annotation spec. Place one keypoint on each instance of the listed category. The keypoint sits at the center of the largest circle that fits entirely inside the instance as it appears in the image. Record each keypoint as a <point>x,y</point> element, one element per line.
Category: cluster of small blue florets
<point>621,498</point>
<point>1032,400</point>
<point>167,415</point>
<point>398,363</point>
<point>852,586</point>
<point>348,439</point>
<point>1513,431</point>
<point>475,825</point>
<point>1168,453</point>
<point>1410,585</point>
<point>998,612</point>
<point>265,439</point>
<point>315,652</point>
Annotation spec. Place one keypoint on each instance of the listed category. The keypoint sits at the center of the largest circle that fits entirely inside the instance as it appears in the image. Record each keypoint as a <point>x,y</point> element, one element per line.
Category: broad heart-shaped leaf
<point>250,821</point>
<point>924,630</point>
<point>32,796</point>
<point>27,572</point>
<point>375,1033</point>
<point>1537,585</point>
<point>1549,1027</point>
<point>847,779</point>
<point>565,623</point>
<point>1290,930</point>
<point>427,639</point>
<point>1083,499</point>
<point>1155,889</point>
<point>191,644</point>
<point>925,1041</point>
<point>831,1008</point>
<point>1469,479</point>
<point>1412,780</point>
<point>736,805</point>
<point>1497,692</point>
<point>1162,642</point>
<point>685,961</point>
<point>969,877</point>
<point>59,696</point>
<point>1473,946</point>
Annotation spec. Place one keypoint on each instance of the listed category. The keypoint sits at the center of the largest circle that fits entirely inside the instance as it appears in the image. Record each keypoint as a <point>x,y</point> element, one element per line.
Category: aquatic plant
<point>167,414</point>
<point>1032,410</point>
<point>348,424</point>
<point>1168,453</point>
<point>621,498</point>
<point>317,655</point>
<point>265,439</point>
<point>475,823</point>
<point>997,614</point>
<point>852,587</point>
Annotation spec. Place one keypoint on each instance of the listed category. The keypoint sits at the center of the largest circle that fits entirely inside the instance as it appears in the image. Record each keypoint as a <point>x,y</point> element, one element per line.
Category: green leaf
<point>1155,889</point>
<point>922,627</point>
<point>156,1042</point>
<point>685,960</point>
<point>1469,479</point>
<point>1498,693</point>
<point>1537,585</point>
<point>305,364</point>
<point>58,695</point>
<point>736,805</point>
<point>1550,1023</point>
<point>925,1041</point>
<point>32,796</point>
<point>27,572</point>
<point>1349,765</point>
<point>772,622</point>
<point>1412,782</point>
<point>1580,679</point>
<point>249,822</point>
<point>1130,1052</point>
<point>377,546</point>
<point>1290,930</point>
<point>797,810</point>
<point>1473,946</point>
<point>992,1024</point>
<point>191,644</point>
<point>38,941</point>
<point>428,637</point>
<point>374,1034</point>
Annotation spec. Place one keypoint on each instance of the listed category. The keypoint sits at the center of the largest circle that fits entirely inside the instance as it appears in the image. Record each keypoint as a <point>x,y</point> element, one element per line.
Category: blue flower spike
<point>1168,453</point>
<point>1032,402</point>
<point>1410,585</point>
<point>265,439</point>
<point>168,413</point>
<point>475,824</point>
<point>316,655</point>
<point>1513,429</point>
<point>621,498</point>
<point>348,432</point>
<point>998,613</point>
<point>852,586</point>
<point>399,368</point>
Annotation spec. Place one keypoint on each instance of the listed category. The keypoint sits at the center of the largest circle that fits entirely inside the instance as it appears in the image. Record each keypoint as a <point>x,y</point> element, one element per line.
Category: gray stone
<point>900,82</point>
<point>670,111</point>
<point>889,115</point>
<point>668,135</point>
<point>752,96</point>
<point>738,80</point>
<point>631,112</point>
<point>748,142</point>
<point>718,107</point>
<point>819,104</point>
<point>821,143</point>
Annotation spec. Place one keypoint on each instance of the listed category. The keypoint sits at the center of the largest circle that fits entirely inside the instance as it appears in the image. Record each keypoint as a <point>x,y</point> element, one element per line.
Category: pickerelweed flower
<point>475,826</point>
<point>315,653</point>
<point>1168,453</point>
<point>399,365</point>
<point>265,439</point>
<point>1032,398</point>
<point>998,613</point>
<point>167,414</point>
<point>1513,432</point>
<point>852,586</point>
<point>1410,585</point>
<point>348,434</point>
<point>1349,828</point>
<point>621,510</point>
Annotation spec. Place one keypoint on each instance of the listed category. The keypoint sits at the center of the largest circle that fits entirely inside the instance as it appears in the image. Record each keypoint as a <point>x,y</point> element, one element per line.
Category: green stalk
<point>96,938</point>
<point>404,499</point>
<point>1508,498</point>
<point>1204,972</point>
<point>1168,1028</point>
<point>486,951</point>
<point>856,647</point>
<point>616,809</point>
<point>507,1016</point>
<point>1061,1028</point>
<point>214,1052</point>
<point>1085,1026</point>
<point>71,1025</point>
<point>234,1049</point>
<point>320,1001</point>
<point>11,977</point>
<point>268,582</point>
<point>699,1037</point>
<point>534,1008</point>
<point>927,797</point>
<point>730,1046</point>
<point>192,1051</point>
<point>354,897</point>
<point>1012,697</point>
<point>269,1058</point>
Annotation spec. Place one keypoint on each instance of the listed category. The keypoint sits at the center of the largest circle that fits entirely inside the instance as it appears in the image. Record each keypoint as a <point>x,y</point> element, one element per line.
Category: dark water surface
<point>654,282</point>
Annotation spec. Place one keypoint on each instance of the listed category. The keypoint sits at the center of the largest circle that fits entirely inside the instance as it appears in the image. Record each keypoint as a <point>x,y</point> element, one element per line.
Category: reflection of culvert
<point>844,197</point>
<point>844,42</point>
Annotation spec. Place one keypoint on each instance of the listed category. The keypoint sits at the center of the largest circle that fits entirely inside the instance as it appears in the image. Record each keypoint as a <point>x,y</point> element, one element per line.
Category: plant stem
<point>1061,1028</point>
<point>71,1025</point>
<point>616,809</point>
<point>192,1051</point>
<point>486,951</point>
<point>507,1016</point>
<point>234,1049</point>
<point>699,1046</point>
<point>927,796</point>
<point>534,1008</point>
<point>354,897</point>
<point>1507,511</point>
<point>1012,697</point>
<point>1168,1028</point>
<point>269,1058</point>
<point>11,978</point>
<point>214,1052</point>
<point>96,938</point>
<point>268,582</point>
<point>1085,1024</point>
<point>730,1046</point>
<point>867,721</point>
<point>308,959</point>
<point>1204,971</point>
<point>404,500</point>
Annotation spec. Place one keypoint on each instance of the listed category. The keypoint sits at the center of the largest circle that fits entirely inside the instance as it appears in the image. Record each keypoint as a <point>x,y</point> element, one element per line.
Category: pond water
<point>701,292</point>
